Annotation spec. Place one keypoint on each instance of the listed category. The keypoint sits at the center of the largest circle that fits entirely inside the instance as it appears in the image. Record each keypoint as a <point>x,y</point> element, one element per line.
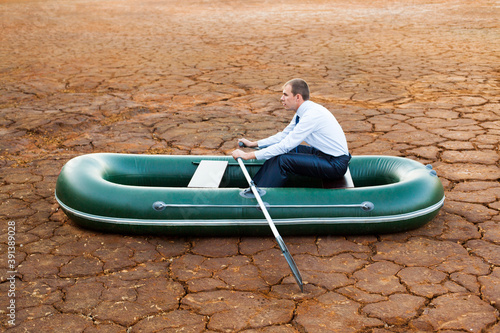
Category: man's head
<point>299,86</point>
<point>295,92</point>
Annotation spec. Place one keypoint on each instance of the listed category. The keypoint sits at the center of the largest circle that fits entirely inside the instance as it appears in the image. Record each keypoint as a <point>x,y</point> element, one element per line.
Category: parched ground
<point>416,78</point>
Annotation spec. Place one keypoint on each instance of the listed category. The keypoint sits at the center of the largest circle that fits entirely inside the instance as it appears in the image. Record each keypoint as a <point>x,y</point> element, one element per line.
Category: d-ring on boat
<point>149,194</point>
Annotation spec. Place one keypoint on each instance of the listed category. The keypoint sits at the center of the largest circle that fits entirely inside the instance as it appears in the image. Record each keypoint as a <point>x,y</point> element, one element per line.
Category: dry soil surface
<point>418,79</point>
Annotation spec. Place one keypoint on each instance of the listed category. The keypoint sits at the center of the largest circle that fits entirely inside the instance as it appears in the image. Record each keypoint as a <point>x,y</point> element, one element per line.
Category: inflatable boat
<point>152,194</point>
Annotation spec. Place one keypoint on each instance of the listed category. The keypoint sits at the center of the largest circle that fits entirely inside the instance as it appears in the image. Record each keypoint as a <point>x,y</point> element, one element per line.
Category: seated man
<point>326,157</point>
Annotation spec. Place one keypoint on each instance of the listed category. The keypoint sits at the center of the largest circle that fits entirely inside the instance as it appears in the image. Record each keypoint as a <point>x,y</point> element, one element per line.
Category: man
<point>326,157</point>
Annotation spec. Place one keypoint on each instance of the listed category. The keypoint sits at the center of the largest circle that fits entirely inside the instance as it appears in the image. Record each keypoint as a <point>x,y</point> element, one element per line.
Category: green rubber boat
<point>149,194</point>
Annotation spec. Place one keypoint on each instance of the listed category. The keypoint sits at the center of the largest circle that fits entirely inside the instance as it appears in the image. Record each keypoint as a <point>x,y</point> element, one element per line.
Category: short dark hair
<point>299,86</point>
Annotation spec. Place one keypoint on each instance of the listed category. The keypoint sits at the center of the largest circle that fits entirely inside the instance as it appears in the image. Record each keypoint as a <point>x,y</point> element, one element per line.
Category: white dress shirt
<point>317,127</point>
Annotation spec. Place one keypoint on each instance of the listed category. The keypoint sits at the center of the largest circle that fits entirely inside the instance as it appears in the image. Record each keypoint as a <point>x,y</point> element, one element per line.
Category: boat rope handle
<point>365,206</point>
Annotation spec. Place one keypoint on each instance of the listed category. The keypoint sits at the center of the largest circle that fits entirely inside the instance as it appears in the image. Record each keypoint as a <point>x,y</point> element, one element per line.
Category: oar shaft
<point>259,199</point>
<point>276,234</point>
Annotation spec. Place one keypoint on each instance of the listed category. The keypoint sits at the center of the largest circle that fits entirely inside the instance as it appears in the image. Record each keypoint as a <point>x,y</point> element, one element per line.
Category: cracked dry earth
<point>418,79</point>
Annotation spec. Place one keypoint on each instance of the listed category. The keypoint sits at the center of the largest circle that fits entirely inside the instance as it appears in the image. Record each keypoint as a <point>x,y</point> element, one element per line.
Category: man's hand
<point>238,153</point>
<point>248,143</point>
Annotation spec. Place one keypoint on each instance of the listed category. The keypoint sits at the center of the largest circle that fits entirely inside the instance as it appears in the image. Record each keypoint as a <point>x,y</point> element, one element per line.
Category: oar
<point>280,241</point>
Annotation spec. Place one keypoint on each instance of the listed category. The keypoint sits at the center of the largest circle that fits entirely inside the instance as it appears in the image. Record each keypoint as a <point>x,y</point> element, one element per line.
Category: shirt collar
<point>302,108</point>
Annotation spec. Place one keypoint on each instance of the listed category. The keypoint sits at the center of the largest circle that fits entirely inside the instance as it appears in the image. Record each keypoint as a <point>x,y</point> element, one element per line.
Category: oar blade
<point>291,262</point>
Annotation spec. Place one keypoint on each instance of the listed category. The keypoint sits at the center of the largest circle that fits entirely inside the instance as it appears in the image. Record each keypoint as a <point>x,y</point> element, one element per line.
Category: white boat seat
<point>208,174</point>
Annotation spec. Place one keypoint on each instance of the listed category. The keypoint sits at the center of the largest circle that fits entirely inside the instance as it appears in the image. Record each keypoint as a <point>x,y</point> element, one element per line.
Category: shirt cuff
<point>258,155</point>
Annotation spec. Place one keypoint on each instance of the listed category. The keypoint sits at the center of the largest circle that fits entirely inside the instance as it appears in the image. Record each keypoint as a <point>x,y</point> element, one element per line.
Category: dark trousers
<point>304,161</point>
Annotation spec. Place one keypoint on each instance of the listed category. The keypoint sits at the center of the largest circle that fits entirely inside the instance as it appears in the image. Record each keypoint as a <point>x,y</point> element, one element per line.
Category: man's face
<point>289,101</point>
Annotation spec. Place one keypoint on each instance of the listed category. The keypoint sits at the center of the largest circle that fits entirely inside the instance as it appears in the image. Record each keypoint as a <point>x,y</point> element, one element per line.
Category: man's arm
<point>295,137</point>
<point>276,138</point>
<point>264,143</point>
